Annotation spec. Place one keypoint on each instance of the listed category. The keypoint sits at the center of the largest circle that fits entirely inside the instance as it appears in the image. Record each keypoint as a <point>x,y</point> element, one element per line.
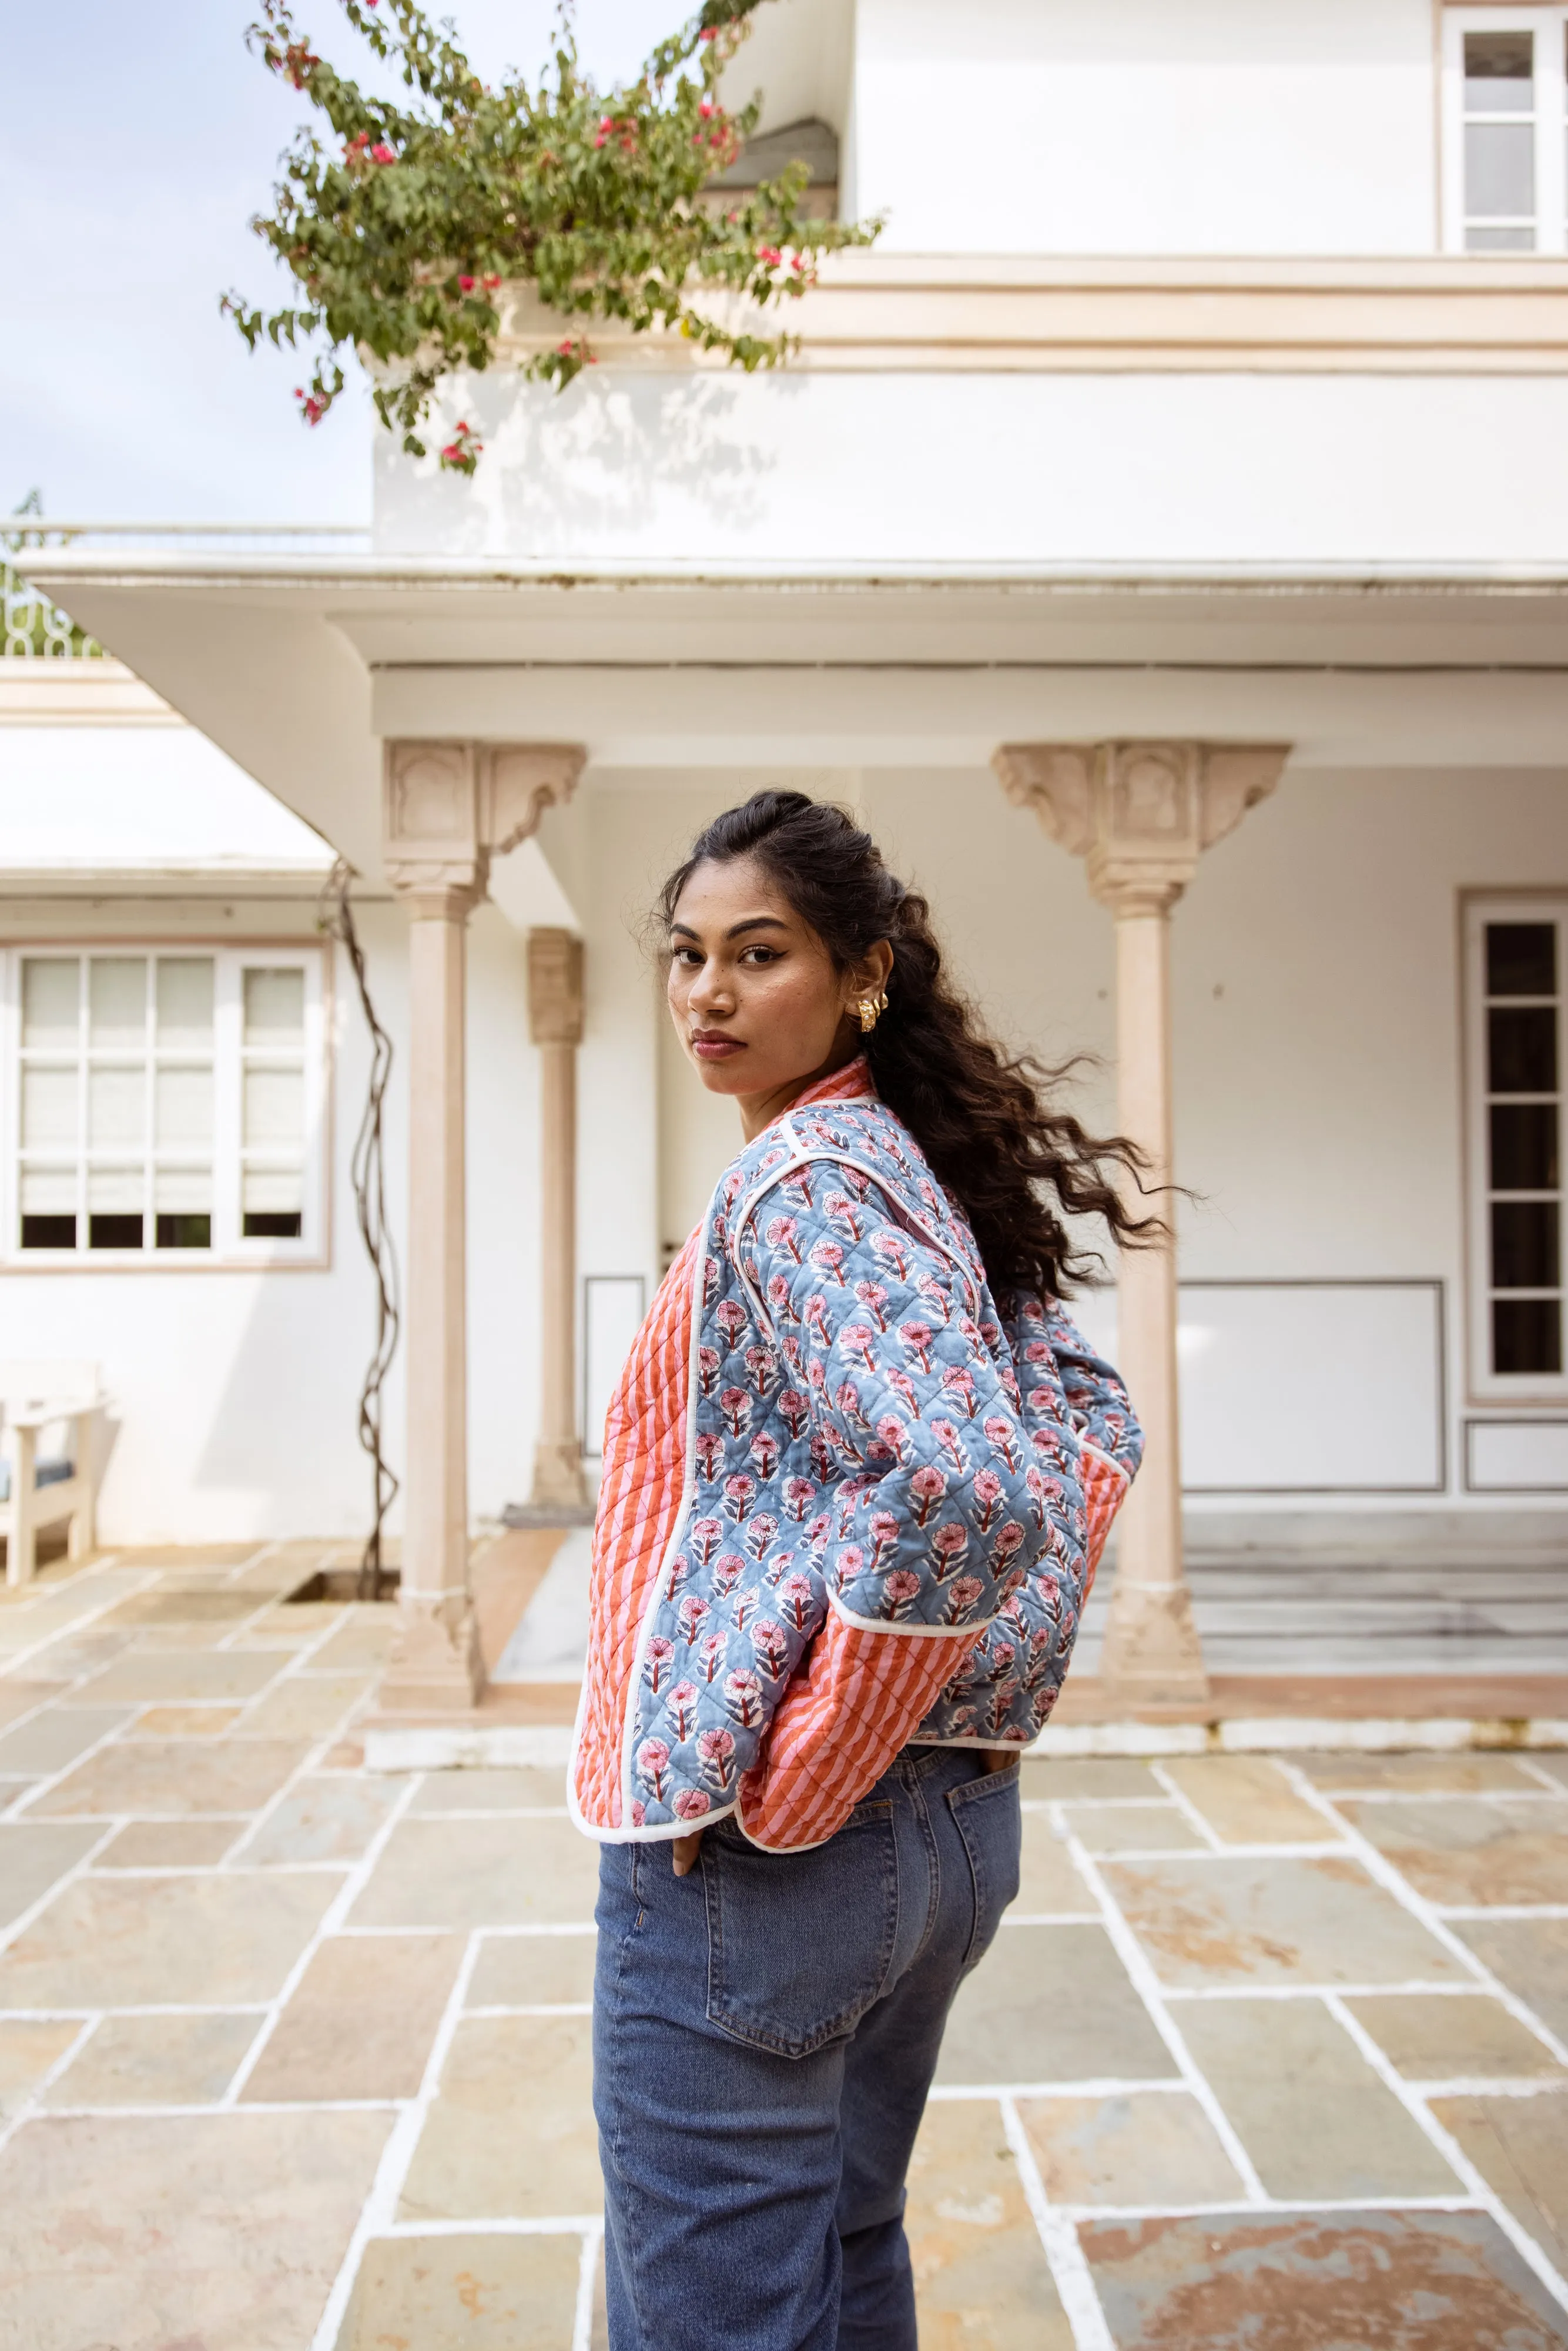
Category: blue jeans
<point>764,2033</point>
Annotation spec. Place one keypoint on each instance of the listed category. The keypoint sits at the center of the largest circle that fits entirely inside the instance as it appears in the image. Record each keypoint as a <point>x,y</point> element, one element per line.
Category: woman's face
<point>757,1003</point>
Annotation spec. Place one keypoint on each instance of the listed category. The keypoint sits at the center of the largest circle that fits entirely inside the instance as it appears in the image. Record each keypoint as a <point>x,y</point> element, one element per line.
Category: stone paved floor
<point>1269,2055</point>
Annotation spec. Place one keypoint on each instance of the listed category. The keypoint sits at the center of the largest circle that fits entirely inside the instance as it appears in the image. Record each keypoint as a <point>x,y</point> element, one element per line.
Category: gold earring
<point>870,1010</point>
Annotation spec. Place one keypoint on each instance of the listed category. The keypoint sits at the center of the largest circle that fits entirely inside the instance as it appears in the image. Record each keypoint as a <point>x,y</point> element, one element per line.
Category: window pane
<point>117,1001</point>
<point>182,1108</point>
<point>49,1106</point>
<point>48,1191</point>
<point>273,1008</point>
<point>1524,1244</point>
<point>274,1108</point>
<point>1499,169</point>
<point>272,1190</point>
<point>1527,1334</point>
<point>116,1188</point>
<point>1521,1050</point>
<point>1498,240</point>
<point>1498,73</point>
<point>185,1002</point>
<point>1523,1147</point>
<point>188,1190</point>
<point>116,1107</point>
<point>114,1232</point>
<point>1522,959</point>
<point>49,998</point>
<point>49,1232</point>
<point>183,1232</point>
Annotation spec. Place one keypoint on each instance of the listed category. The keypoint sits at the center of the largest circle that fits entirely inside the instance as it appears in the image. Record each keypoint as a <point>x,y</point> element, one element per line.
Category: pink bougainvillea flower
<point>381,154</point>
<point>466,283</point>
<point>706,110</point>
<point>770,255</point>
<point>491,279</point>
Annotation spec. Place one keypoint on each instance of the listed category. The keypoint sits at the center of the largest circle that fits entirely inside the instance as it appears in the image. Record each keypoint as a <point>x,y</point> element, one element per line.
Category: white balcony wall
<point>1142,127</point>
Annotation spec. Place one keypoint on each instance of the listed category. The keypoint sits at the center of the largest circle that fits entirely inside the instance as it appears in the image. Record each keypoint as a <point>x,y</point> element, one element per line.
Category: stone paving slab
<point>243,1970</point>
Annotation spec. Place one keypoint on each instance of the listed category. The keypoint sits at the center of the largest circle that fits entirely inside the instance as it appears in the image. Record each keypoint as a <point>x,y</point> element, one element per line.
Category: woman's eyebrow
<point>757,923</point>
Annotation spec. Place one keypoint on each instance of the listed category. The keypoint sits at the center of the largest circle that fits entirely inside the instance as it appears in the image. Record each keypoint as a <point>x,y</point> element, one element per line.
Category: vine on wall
<point>403,228</point>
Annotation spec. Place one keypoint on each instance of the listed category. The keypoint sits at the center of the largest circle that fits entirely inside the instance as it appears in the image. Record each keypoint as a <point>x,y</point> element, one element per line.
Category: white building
<point>1205,391</point>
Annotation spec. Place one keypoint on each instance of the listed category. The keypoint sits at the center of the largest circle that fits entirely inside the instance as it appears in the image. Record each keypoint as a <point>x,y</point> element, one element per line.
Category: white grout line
<point>1098,2086</point>
<point>498,2224</point>
<point>1207,1837</point>
<point>378,2215</point>
<point>1052,1918</point>
<point>1484,2086</point>
<point>1130,1951</point>
<point>1500,1909</point>
<point>533,2008</point>
<point>79,1869</point>
<point>587,2278</point>
<point>1379,1867</point>
<point>1448,2148</point>
<point>1550,1782</point>
<point>1064,2255</point>
<point>59,1693</point>
<point>1413,1988</point>
<point>1386,1795</point>
<point>355,1879</point>
<point>216,2106</point>
<point>1204,1857</point>
<point>1278,2205</point>
<point>31,2105</point>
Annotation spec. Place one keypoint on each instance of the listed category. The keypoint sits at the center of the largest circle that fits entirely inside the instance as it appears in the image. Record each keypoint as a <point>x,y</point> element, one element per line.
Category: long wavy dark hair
<point>980,1115</point>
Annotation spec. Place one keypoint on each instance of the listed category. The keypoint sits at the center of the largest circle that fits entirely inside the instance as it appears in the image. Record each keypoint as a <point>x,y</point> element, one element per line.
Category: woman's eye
<point>760,956</point>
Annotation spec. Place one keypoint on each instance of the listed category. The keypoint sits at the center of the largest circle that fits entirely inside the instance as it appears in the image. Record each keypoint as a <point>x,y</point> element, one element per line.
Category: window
<point>1505,74</point>
<point>164,1105</point>
<point>1515,954</point>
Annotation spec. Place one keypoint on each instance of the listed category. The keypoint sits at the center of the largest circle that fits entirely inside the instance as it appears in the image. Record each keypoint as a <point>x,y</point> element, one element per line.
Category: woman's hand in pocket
<point>683,1851</point>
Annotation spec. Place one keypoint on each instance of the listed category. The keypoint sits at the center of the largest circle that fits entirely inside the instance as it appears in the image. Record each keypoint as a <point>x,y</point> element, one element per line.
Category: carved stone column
<point>555,1018</point>
<point>1141,815</point>
<point>448,808</point>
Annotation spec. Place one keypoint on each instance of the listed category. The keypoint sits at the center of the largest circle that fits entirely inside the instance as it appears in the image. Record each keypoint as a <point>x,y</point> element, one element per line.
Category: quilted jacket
<point>850,1498</point>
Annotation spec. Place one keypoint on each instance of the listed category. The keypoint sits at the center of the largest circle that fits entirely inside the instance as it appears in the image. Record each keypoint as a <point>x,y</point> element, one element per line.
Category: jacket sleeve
<point>1111,1443</point>
<point>917,1426</point>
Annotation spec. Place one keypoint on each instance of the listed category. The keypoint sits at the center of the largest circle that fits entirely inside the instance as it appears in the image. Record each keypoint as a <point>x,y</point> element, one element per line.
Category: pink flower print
<point>817,1377</point>
<point>960,1383</point>
<point>759,1533</point>
<point>900,1590</point>
<point>795,1410</point>
<point>691,1614</point>
<point>821,1452</point>
<point>709,1369</point>
<point>711,1652</point>
<point>949,1546</point>
<point>855,1180</point>
<point>1009,1540</point>
<point>743,1608</point>
<point>732,1320</point>
<point>1008,1584</point>
<point>873,1297</point>
<point>903,1387</point>
<point>739,1494</point>
<point>678,1575</point>
<point>999,1657</point>
<point>716,1757</point>
<point>828,1258</point>
<point>709,1448</point>
<point>736,1406</point>
<point>777,1569</point>
<point>743,1697</point>
<point>797,1187</point>
<point>796,1600</point>
<point>860,1342</point>
<point>893,1251</point>
<point>764,1453</point>
<point>893,1435</point>
<point>792,1355</point>
<point>928,1486</point>
<point>639,1812</point>
<point>934,1296</point>
<point>783,1232</point>
<point>1000,1436</point>
<point>705,1537</point>
<point>759,1369</point>
<point>1038,1351</point>
<point>798,1496</point>
<point>946,1436</point>
<point>916,1338</point>
<point>770,1646</point>
<point>728,1570</point>
<point>991,1332</point>
<point>658,1661</point>
<point>1034,1482</point>
<point>690,1803</point>
<point>818,1533</point>
<point>987,1491</point>
<point>652,1762</point>
<point>681,1706</point>
<point>848,1400</point>
<point>779,1298</point>
<point>850,1562</point>
<point>884,1532</point>
<point>961,1599</point>
<point>710,1280</point>
<point>814,1316</point>
<point>839,1210</point>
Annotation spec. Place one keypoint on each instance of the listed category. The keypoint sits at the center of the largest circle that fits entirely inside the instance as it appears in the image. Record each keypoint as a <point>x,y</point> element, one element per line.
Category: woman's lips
<point>712,1045</point>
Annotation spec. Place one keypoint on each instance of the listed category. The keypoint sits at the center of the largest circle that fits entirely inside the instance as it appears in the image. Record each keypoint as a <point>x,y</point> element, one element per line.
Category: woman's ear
<point>869,976</point>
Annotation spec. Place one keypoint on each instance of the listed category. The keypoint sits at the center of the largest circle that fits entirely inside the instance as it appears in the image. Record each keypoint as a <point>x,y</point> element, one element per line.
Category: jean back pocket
<point>989,1819</point>
<point>800,1944</point>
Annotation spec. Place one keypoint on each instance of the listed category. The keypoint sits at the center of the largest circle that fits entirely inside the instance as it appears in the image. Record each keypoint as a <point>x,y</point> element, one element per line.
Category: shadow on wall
<point>602,461</point>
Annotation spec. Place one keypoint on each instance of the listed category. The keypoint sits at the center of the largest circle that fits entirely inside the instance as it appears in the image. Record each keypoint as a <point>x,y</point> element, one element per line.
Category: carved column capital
<point>555,987</point>
<point>1140,813</point>
<point>449,806</point>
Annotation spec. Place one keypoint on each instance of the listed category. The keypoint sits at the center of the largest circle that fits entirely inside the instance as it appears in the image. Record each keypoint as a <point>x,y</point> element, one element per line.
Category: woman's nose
<point>708,993</point>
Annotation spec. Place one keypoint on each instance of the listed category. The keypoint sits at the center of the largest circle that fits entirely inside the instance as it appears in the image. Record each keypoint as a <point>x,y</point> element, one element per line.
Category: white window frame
<point>230,1248</point>
<point>1549,28</point>
<point>1486,1387</point>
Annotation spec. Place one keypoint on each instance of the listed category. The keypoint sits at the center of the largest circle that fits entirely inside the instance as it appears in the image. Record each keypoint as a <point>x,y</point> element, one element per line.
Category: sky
<point>137,144</point>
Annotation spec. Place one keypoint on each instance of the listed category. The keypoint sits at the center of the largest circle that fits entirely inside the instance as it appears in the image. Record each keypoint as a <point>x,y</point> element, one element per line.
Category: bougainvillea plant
<point>403,229</point>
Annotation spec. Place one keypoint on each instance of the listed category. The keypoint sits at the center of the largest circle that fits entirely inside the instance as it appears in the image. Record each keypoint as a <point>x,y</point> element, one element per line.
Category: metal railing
<point>36,629</point>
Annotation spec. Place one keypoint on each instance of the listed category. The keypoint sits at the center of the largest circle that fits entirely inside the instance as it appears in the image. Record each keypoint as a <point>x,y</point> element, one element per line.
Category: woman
<point>856,1477</point>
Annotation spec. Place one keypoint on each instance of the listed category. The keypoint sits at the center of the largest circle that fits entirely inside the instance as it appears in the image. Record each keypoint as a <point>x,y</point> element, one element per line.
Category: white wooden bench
<point>33,1396</point>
